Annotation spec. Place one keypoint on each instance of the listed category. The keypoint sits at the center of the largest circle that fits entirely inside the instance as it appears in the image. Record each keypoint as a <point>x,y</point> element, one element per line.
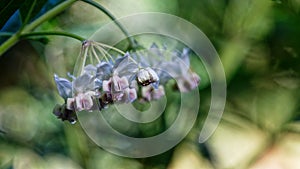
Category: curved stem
<point>81,60</point>
<point>8,43</point>
<point>50,14</point>
<point>70,35</point>
<point>6,33</point>
<point>132,42</point>
<point>28,28</point>
<point>109,47</point>
<point>29,14</point>
<point>94,53</point>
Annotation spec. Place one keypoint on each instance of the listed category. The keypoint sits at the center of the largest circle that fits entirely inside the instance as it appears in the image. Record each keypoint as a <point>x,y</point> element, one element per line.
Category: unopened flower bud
<point>147,76</point>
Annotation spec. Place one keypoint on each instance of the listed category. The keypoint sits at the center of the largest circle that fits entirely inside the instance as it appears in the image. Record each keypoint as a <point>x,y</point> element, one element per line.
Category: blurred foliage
<point>258,43</point>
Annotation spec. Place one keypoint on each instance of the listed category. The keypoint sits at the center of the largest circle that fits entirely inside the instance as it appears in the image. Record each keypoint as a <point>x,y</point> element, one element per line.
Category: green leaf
<point>30,9</point>
<point>8,8</point>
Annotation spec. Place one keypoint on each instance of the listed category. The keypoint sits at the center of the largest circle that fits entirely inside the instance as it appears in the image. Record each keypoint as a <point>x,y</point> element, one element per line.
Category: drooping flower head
<point>130,76</point>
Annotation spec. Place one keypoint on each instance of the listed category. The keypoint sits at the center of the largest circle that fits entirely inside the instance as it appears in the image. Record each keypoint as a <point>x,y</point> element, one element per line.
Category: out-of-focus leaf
<point>8,7</point>
<point>287,79</point>
<point>274,108</point>
<point>17,116</point>
<point>102,159</point>
<point>284,154</point>
<point>232,55</point>
<point>293,127</point>
<point>248,19</point>
<point>34,5</point>
<point>25,158</point>
<point>187,156</point>
<point>56,161</point>
<point>228,145</point>
<point>6,155</point>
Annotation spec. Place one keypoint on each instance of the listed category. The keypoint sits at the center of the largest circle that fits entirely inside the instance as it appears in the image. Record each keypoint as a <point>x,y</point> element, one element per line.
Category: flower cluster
<point>131,76</point>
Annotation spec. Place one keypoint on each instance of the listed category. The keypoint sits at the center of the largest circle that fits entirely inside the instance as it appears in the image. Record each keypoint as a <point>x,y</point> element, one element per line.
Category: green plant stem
<point>30,27</point>
<point>29,14</point>
<point>8,43</point>
<point>50,14</point>
<point>132,42</point>
<point>53,33</point>
<point>6,34</point>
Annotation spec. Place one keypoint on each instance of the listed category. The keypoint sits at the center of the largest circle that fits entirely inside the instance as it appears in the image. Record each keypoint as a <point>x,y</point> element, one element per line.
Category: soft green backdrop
<point>258,42</point>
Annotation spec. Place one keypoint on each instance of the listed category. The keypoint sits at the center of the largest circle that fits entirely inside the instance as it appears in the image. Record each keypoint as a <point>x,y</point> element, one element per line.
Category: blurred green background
<point>258,43</point>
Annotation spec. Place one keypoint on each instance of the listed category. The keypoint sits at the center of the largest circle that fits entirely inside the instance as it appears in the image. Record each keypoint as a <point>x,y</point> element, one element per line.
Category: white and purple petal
<point>64,87</point>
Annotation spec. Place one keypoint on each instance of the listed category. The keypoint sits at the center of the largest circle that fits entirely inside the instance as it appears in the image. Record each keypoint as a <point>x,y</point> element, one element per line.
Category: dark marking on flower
<point>62,113</point>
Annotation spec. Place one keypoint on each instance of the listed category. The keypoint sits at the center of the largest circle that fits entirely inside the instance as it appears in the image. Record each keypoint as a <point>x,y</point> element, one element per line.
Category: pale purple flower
<point>188,82</point>
<point>90,70</point>
<point>104,71</point>
<point>64,87</point>
<point>179,69</point>
<point>150,93</point>
<point>83,83</point>
<point>119,89</point>
<point>129,96</point>
<point>115,84</point>
<point>118,80</point>
<point>177,66</point>
<point>125,66</point>
<point>85,101</point>
<point>82,101</point>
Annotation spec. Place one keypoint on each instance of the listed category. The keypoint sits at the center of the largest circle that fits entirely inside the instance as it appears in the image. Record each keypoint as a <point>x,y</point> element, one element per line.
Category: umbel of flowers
<point>129,77</point>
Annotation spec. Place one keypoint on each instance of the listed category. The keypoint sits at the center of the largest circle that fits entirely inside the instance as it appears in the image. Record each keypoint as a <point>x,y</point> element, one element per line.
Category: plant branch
<point>132,42</point>
<point>50,14</point>
<point>30,27</point>
<point>28,14</point>
<point>6,33</point>
<point>70,35</point>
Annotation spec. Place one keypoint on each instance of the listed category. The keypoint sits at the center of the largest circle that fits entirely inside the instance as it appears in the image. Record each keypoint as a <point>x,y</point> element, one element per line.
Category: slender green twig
<point>29,13</point>
<point>53,33</point>
<point>84,59</point>
<point>96,55</point>
<point>132,42</point>
<point>6,33</point>
<point>48,15</point>
<point>109,47</point>
<point>30,27</point>
<point>104,53</point>
<point>26,31</point>
<point>81,60</point>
